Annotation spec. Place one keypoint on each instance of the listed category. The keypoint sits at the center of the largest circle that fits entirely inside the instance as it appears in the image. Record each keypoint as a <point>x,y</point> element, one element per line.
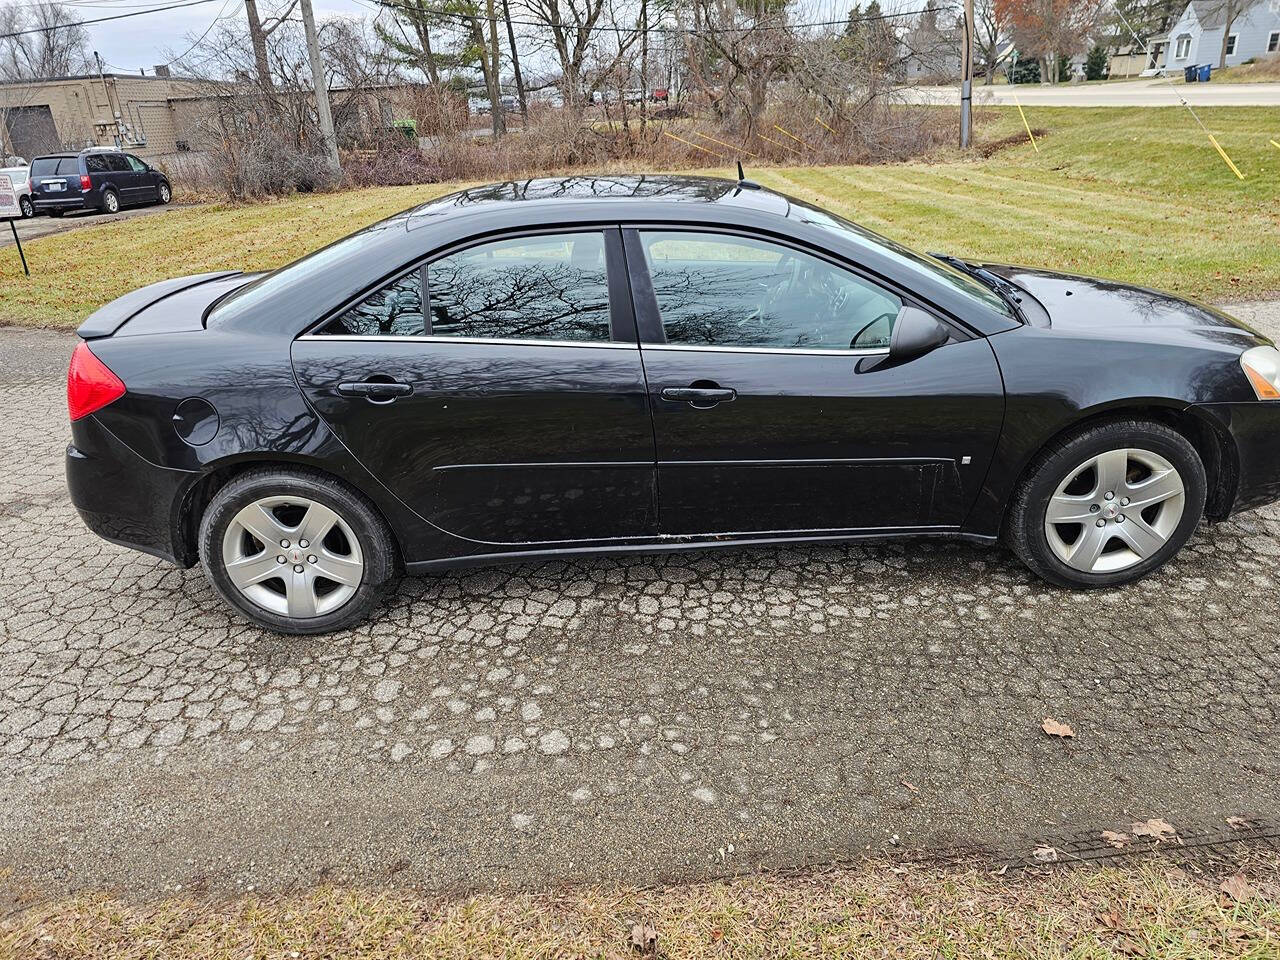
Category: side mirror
<point>915,333</point>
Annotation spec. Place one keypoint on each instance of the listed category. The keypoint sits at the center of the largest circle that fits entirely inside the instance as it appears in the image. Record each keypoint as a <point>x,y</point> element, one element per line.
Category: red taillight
<point>90,383</point>
<point>85,182</point>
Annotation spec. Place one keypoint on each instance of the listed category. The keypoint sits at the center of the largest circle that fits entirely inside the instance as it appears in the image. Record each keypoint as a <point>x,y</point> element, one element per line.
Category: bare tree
<point>584,50</point>
<point>738,50</point>
<point>45,40</point>
<point>991,25</point>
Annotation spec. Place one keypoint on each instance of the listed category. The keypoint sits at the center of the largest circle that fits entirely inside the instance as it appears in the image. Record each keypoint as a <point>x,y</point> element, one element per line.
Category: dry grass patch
<point>1146,909</point>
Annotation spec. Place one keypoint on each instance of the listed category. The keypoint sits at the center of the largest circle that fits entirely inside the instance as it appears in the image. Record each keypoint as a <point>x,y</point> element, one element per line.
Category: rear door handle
<point>379,391</point>
<point>700,396</point>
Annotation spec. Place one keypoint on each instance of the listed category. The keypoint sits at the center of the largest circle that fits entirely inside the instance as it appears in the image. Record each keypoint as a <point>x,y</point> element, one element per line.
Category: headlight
<point>1262,366</point>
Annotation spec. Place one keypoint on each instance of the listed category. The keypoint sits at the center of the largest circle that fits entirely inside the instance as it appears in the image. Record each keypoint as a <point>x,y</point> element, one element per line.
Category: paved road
<point>44,226</point>
<point>625,718</point>
<point>1135,93</point>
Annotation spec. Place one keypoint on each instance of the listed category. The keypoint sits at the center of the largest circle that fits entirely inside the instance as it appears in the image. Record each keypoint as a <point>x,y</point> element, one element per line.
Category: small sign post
<point>9,210</point>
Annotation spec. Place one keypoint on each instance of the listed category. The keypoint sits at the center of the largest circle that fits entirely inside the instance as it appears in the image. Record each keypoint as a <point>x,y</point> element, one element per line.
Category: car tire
<point>299,599</point>
<point>110,202</point>
<point>1085,544</point>
<point>164,193</point>
<point>27,207</point>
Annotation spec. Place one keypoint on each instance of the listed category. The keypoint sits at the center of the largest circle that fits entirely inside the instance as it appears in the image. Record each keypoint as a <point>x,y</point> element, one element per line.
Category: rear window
<point>44,166</point>
<point>69,167</point>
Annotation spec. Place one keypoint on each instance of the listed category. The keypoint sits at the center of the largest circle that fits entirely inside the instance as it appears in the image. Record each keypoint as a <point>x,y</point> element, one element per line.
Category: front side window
<point>391,311</point>
<point>727,291</point>
<point>529,288</point>
<point>136,165</point>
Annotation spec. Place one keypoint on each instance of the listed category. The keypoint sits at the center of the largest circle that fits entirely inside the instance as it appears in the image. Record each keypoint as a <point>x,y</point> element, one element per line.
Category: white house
<point>1197,36</point>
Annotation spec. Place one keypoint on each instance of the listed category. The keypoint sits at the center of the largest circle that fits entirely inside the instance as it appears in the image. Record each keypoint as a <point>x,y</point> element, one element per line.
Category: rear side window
<point>528,288</point>
<point>95,163</point>
<point>391,311</point>
<point>116,163</point>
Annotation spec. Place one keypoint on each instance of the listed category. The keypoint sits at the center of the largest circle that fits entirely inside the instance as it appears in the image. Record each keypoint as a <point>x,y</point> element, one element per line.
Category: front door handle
<point>377,391</point>
<point>702,395</point>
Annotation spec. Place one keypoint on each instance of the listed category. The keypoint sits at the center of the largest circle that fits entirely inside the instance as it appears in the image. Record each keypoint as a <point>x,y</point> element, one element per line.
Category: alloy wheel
<point>292,556</point>
<point>25,205</point>
<point>165,193</point>
<point>1114,510</point>
<point>111,202</point>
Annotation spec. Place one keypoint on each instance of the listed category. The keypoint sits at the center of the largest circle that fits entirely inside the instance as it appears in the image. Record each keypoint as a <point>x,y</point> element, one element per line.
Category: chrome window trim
<point>803,351</point>
<point>606,344</point>
<point>501,341</point>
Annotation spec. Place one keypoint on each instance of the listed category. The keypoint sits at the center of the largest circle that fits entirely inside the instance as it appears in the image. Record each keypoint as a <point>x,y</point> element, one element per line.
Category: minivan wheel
<point>111,202</point>
<point>164,193</point>
<point>27,207</point>
<point>1108,505</point>
<point>296,552</point>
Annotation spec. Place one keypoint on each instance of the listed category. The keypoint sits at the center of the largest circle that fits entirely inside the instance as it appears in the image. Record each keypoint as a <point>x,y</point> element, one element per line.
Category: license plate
<point>54,187</point>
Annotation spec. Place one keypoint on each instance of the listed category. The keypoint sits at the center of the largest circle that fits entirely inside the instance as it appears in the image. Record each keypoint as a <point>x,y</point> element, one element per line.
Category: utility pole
<point>322,88</point>
<point>966,77</point>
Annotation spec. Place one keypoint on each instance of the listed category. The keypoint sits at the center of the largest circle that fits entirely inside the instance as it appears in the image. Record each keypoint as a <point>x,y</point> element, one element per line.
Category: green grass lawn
<point>1135,194</point>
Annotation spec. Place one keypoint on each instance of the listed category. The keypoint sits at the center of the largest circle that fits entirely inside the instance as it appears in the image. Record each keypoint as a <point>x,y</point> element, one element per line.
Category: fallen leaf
<point>1055,729</point>
<point>1154,828</point>
<point>1112,919</point>
<point>1115,839</point>
<point>1237,823</point>
<point>1045,854</point>
<point>1237,888</point>
<point>910,786</point>
<point>644,938</point>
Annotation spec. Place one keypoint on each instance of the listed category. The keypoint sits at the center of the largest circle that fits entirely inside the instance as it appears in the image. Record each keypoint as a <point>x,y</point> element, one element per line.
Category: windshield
<point>961,281</point>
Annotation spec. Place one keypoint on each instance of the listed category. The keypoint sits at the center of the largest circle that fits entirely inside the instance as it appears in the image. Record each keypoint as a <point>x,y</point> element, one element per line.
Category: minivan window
<point>44,167</point>
<point>95,163</point>
<point>116,163</point>
<point>69,167</point>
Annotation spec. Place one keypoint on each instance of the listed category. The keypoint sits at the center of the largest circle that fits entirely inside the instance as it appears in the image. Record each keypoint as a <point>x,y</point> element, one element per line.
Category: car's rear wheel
<point>295,551</point>
<point>1108,505</point>
<point>111,202</point>
<point>27,207</point>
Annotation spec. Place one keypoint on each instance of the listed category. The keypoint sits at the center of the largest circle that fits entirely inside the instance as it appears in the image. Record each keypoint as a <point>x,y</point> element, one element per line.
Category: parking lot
<point>645,718</point>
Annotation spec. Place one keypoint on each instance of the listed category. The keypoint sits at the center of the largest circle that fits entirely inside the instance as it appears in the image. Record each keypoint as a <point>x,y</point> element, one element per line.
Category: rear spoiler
<point>106,320</point>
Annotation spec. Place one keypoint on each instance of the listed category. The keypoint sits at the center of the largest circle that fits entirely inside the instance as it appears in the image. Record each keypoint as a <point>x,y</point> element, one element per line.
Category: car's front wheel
<point>27,207</point>
<point>1108,505</point>
<point>296,552</point>
<point>164,193</point>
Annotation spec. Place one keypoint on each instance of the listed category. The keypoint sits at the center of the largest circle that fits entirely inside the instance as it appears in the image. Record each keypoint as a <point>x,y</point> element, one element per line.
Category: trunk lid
<point>170,305</point>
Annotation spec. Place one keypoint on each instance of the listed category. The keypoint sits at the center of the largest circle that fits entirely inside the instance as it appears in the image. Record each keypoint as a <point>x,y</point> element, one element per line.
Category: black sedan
<point>578,366</point>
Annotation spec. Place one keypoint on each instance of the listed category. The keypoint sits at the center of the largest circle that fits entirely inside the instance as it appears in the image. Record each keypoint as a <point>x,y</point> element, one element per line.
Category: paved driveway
<point>1135,93</point>
<point>45,225</point>
<point>640,718</point>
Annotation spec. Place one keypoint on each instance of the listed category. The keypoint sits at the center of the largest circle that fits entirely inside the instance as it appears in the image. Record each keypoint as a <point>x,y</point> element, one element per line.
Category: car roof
<point>601,191</point>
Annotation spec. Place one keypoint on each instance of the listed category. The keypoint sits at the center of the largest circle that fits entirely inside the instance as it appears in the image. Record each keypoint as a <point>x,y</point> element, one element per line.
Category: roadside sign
<point>8,198</point>
<point>9,210</point>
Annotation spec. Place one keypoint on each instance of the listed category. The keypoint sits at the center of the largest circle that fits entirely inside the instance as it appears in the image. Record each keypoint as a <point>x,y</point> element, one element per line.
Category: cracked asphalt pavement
<point>639,719</point>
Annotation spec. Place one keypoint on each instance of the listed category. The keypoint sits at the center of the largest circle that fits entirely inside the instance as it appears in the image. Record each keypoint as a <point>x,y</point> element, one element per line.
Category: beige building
<point>147,115</point>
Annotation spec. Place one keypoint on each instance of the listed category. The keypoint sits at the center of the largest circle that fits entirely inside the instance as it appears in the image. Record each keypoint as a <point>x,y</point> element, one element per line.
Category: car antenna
<point>743,182</point>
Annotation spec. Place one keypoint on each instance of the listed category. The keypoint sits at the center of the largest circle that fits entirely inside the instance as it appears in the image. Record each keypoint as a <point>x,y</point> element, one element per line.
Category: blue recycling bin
<point>1190,74</point>
<point>1206,70</point>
